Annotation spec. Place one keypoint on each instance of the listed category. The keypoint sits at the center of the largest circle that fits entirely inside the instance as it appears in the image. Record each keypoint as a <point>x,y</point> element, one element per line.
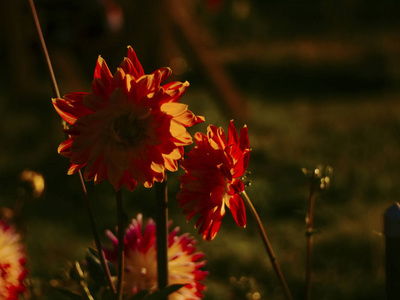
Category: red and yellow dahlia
<point>212,179</point>
<point>12,261</point>
<point>130,129</point>
<point>184,263</point>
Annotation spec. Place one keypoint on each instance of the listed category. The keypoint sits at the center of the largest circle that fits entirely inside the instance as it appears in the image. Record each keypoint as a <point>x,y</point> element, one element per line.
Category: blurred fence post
<point>392,234</point>
<point>192,31</point>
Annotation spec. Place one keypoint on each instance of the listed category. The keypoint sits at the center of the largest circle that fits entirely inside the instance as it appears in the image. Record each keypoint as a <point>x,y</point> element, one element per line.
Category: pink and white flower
<point>12,261</point>
<point>184,261</point>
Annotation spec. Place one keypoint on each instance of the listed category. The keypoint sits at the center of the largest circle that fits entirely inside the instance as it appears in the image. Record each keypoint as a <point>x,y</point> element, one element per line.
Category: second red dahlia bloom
<point>130,129</point>
<point>212,179</point>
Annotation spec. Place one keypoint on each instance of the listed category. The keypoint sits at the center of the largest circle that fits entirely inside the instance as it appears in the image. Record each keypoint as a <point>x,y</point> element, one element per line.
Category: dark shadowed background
<point>317,82</point>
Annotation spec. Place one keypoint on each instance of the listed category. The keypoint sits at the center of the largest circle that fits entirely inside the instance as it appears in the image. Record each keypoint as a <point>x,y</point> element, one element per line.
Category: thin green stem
<point>162,233</point>
<point>82,182</point>
<point>267,245</point>
<point>121,255</point>
<point>309,237</point>
<point>44,47</point>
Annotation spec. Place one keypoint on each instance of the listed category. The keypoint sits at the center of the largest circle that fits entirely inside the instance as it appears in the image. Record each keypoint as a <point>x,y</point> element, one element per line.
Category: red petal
<point>145,86</point>
<point>181,113</point>
<point>236,187</point>
<point>212,230</point>
<point>162,74</point>
<point>233,136</point>
<point>101,174</point>
<point>241,164</point>
<point>130,183</point>
<point>128,68</point>
<point>174,109</point>
<point>237,209</point>
<point>244,138</point>
<point>137,70</point>
<point>119,80</point>
<point>71,107</point>
<point>73,168</point>
<point>102,71</point>
<point>173,91</point>
<point>102,78</point>
<point>94,102</point>
<point>65,147</point>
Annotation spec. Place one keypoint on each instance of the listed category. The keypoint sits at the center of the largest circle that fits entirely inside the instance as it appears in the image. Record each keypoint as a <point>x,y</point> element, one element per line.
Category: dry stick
<point>267,245</point>
<point>162,233</point>
<point>44,48</point>
<point>84,191</point>
<point>219,78</point>
<point>121,255</point>
<point>309,233</point>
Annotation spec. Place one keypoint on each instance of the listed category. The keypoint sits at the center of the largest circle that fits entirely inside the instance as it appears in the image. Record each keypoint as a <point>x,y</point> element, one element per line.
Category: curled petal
<point>162,74</point>
<point>71,107</point>
<point>65,147</point>
<point>173,91</point>
<point>73,168</point>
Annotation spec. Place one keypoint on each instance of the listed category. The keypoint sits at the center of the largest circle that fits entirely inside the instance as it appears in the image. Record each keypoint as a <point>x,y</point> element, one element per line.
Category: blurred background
<point>317,82</point>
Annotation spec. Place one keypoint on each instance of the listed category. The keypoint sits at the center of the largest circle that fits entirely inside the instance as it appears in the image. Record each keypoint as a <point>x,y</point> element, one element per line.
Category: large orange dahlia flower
<point>130,129</point>
<point>12,261</point>
<point>184,262</point>
<point>212,179</point>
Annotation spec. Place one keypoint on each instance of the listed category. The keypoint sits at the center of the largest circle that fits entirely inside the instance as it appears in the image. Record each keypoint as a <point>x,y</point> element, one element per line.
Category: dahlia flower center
<point>141,271</point>
<point>129,129</point>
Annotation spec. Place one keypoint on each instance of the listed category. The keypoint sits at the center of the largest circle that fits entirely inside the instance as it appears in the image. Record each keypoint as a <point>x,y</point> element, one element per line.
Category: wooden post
<point>392,234</point>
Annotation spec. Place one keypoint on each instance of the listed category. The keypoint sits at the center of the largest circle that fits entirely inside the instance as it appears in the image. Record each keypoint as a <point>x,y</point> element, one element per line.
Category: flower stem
<point>82,182</point>
<point>121,256</point>
<point>96,237</point>
<point>162,233</point>
<point>267,245</point>
<point>44,47</point>
<point>309,237</point>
